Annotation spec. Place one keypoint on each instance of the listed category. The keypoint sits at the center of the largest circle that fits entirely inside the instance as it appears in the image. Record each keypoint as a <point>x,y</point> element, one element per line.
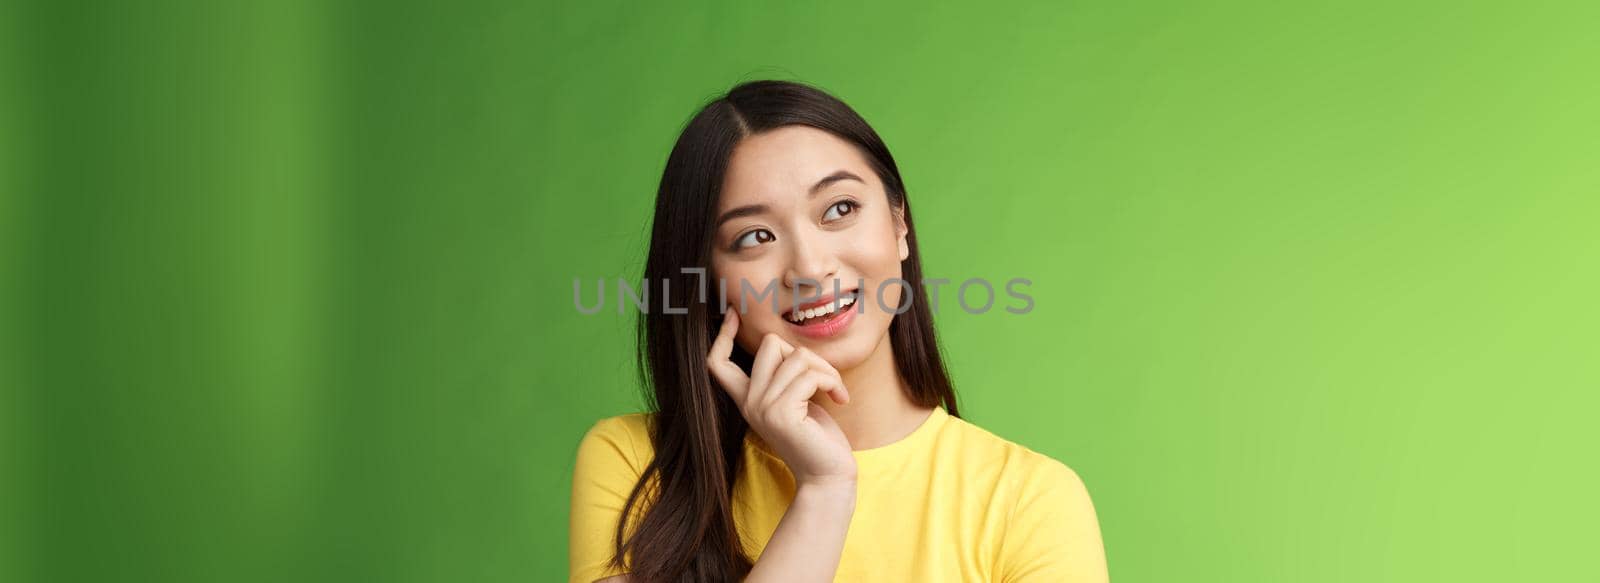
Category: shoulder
<point>611,457</point>
<point>1051,531</point>
<point>623,439</point>
<point>1023,470</point>
<point>630,425</point>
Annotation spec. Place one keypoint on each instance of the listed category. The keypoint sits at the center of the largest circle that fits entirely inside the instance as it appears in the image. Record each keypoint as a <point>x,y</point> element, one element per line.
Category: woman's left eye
<point>839,210</point>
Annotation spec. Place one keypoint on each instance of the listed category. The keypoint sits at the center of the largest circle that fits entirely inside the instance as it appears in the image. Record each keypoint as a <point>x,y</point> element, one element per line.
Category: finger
<point>794,365</point>
<point>768,356</point>
<point>722,346</point>
<point>827,385</point>
<point>818,362</point>
<point>808,385</point>
<point>824,419</point>
<point>719,363</point>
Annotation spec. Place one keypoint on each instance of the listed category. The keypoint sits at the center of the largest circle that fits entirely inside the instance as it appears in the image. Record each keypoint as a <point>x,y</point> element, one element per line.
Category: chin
<point>851,349</point>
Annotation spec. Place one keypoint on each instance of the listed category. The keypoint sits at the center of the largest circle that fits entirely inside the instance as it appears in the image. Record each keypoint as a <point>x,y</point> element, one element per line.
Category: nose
<point>811,262</point>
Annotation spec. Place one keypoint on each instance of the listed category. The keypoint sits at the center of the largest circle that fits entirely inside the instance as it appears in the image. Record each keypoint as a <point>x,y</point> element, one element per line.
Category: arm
<point>776,401</point>
<point>808,540</point>
<point>807,544</point>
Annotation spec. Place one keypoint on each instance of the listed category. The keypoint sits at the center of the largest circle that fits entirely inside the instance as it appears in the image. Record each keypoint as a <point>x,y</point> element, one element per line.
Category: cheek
<point>876,251</point>
<point>875,257</point>
<point>731,276</point>
<point>750,280</point>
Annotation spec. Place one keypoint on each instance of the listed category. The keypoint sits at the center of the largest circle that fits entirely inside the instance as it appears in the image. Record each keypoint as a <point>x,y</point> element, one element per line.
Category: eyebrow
<point>756,209</point>
<point>832,178</point>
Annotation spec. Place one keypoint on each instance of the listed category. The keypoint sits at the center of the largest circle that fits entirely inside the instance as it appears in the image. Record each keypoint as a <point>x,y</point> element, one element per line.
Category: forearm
<point>806,546</point>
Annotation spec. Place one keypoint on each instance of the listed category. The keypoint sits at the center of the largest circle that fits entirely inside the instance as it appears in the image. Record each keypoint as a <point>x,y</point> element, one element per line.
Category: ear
<point>901,231</point>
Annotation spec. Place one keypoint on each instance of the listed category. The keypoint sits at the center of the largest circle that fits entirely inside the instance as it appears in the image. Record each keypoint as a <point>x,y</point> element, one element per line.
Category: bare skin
<point>812,399</point>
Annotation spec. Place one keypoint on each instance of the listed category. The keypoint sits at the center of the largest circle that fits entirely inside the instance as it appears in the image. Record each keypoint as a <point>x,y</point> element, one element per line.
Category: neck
<point>880,411</point>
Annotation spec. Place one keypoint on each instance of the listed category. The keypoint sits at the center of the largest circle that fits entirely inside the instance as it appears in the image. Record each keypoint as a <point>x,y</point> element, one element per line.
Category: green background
<point>287,285</point>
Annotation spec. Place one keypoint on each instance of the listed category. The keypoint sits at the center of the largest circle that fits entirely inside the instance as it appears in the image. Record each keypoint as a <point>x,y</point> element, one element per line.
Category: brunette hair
<point>680,512</point>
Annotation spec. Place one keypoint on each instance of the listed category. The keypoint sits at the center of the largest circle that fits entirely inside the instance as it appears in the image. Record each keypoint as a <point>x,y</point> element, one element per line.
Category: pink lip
<point>829,328</point>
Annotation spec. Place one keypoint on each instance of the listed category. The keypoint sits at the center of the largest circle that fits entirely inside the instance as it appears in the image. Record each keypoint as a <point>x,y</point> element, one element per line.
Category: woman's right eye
<point>753,238</point>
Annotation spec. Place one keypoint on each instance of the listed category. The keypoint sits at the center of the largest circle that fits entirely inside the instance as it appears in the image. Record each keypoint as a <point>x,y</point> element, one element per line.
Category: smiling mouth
<point>822,311</point>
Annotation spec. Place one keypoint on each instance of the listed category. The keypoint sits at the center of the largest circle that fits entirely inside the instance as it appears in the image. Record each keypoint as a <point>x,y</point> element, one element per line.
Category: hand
<point>775,400</point>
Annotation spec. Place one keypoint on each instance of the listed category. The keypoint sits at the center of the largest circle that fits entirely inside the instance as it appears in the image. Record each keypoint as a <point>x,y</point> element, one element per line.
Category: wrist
<point>830,488</point>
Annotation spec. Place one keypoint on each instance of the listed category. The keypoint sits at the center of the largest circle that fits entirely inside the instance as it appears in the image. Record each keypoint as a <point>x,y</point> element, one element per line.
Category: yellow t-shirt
<point>950,502</point>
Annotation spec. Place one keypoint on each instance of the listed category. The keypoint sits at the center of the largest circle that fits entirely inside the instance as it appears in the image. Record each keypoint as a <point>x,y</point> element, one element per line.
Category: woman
<point>811,435</point>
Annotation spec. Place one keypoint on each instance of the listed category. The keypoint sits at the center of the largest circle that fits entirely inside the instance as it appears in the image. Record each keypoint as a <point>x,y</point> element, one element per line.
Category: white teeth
<point>823,310</point>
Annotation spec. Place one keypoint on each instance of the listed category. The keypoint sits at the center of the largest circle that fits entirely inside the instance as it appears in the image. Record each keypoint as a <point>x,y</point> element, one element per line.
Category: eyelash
<point>852,205</point>
<point>736,248</point>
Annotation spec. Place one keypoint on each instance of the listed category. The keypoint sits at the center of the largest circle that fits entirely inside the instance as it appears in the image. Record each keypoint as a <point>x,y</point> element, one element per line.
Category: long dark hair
<point>680,513</point>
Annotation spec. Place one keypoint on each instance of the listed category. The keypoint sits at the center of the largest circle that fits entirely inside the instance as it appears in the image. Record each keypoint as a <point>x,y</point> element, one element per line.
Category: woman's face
<point>801,210</point>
